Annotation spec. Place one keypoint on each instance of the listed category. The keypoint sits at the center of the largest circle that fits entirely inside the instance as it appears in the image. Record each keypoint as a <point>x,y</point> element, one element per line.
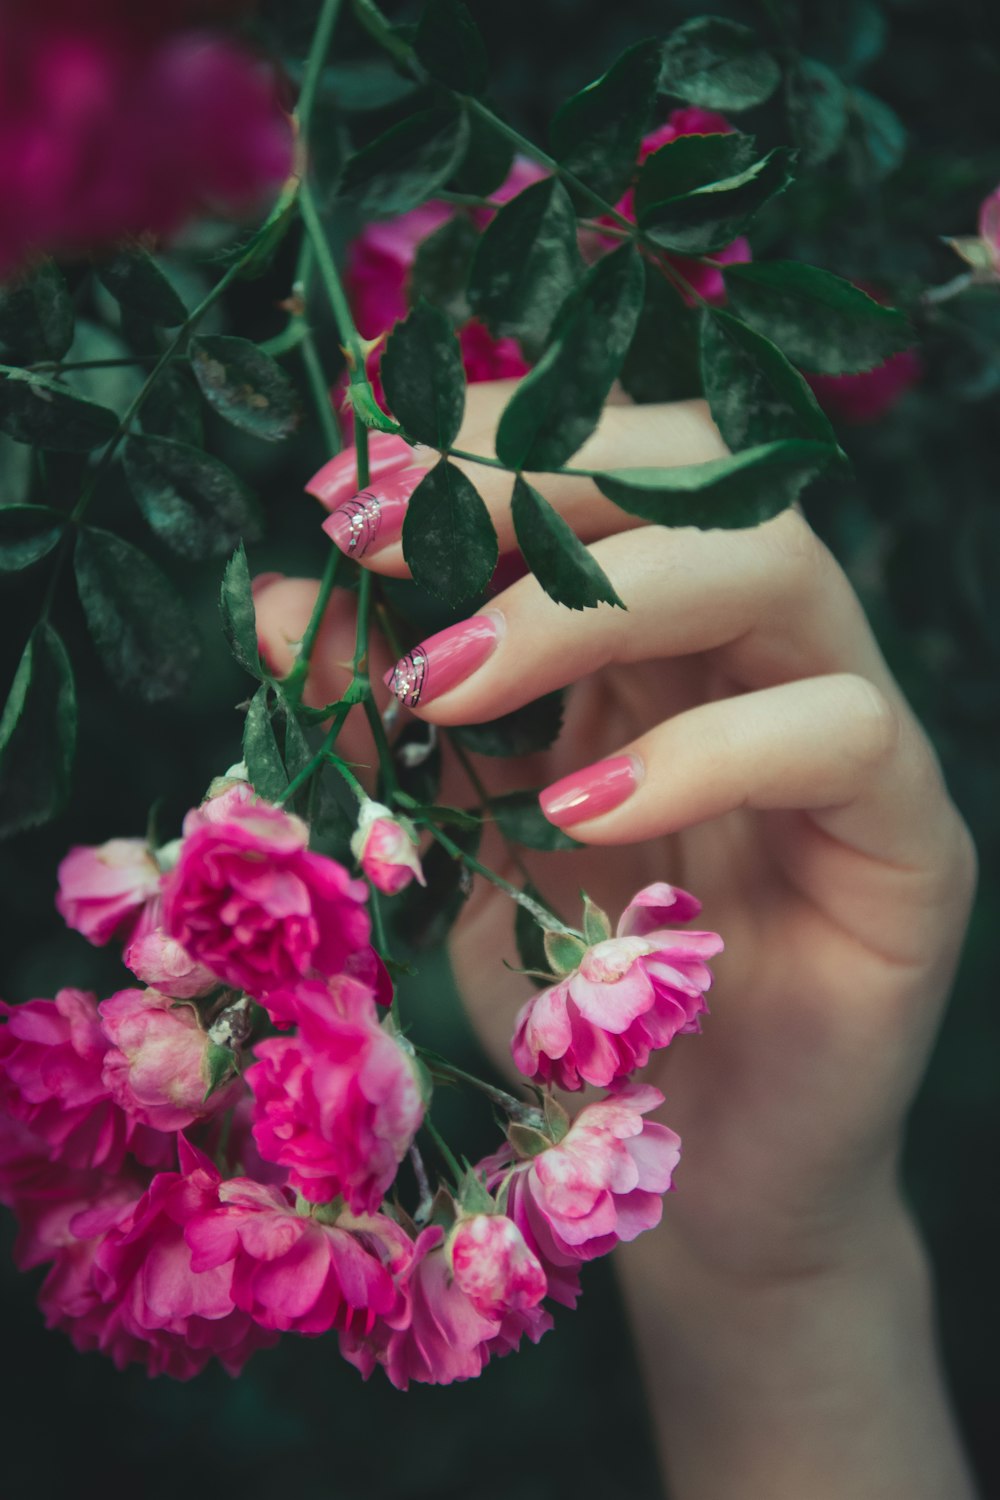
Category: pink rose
<point>249,900</point>
<point>51,1061</point>
<point>493,1265</point>
<point>338,1105</point>
<point>297,1273</point>
<point>602,1183</point>
<point>161,962</point>
<point>989,225</point>
<point>385,850</point>
<point>867,396</point>
<point>157,1065</point>
<point>103,889</point>
<point>342,995</point>
<point>629,996</point>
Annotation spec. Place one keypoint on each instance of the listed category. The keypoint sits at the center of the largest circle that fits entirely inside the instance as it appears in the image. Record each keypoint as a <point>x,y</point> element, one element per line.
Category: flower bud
<point>385,849</point>
<point>156,1067</point>
<point>493,1265</point>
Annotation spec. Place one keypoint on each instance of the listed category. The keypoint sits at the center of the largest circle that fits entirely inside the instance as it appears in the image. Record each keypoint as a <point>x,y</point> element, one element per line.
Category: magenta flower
<point>989,226</point>
<point>103,889</point>
<point>630,995</point>
<point>341,996</point>
<point>161,962</point>
<point>603,1182</point>
<point>493,1265</point>
<point>156,1068</point>
<point>178,1318</point>
<point>300,1274</point>
<point>249,900</point>
<point>867,396</point>
<point>385,850</point>
<point>51,1060</point>
<point>338,1105</point>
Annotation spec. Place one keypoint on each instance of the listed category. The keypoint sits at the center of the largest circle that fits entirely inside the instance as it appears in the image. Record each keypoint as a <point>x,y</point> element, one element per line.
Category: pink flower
<point>629,996</point>
<point>103,889</point>
<point>603,1182</point>
<point>867,396</point>
<point>989,225</point>
<point>385,850</point>
<point>161,962</point>
<point>157,1065</point>
<point>493,1265</point>
<point>338,1105</point>
<point>142,1269</point>
<point>249,900</point>
<point>51,1061</point>
<point>341,996</point>
<point>298,1273</point>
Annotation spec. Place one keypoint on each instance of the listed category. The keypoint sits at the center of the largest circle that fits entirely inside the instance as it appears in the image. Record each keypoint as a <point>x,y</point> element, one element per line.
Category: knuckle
<point>873,720</point>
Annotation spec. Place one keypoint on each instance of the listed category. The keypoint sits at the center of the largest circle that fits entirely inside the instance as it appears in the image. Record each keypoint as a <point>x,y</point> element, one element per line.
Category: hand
<point>785,782</point>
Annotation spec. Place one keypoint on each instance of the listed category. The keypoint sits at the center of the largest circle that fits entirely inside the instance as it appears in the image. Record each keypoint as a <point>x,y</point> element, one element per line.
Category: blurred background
<point>919,532</point>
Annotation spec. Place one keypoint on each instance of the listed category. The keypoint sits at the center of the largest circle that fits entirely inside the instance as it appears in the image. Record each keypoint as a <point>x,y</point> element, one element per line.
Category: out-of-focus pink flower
<point>157,1065</point>
<point>142,1268</point>
<point>602,1183</point>
<point>493,1265</point>
<point>867,396</point>
<point>338,1105</point>
<point>113,124</point>
<point>161,962</point>
<point>104,888</point>
<point>249,900</point>
<point>51,1060</point>
<point>385,850</point>
<point>989,225</point>
<point>630,995</point>
<point>295,1273</point>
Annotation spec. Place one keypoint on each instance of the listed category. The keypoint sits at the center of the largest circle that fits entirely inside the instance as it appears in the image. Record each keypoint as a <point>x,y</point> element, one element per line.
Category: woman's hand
<point>761,756</point>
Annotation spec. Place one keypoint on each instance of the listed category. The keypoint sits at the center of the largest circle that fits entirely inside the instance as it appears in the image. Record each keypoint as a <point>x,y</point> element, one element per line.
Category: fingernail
<point>374,518</point>
<point>337,480</point>
<point>445,660</point>
<point>590,792</point>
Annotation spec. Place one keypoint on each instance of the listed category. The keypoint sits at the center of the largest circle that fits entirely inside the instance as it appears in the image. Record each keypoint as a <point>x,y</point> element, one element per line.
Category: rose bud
<point>385,849</point>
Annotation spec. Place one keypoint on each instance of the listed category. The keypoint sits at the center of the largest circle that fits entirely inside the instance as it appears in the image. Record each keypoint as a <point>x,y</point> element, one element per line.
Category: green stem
<point>314,64</point>
<point>444,1149</point>
<point>447,1070</point>
<point>332,284</point>
<point>476,782</point>
<point>541,914</point>
<point>348,775</point>
<point>378,27</point>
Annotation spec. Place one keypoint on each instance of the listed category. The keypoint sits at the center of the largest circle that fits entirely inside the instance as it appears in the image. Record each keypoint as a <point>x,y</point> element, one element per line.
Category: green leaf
<point>192,501</point>
<point>662,361</point>
<point>718,64</point>
<point>527,262</point>
<point>245,386</point>
<point>817,110</point>
<point>486,160</point>
<point>260,749</point>
<point>708,218</point>
<point>239,618</point>
<point>526,730</point>
<point>403,166</point>
<point>36,410</point>
<point>596,133</point>
<point>449,540</point>
<point>563,951</point>
<point>876,138</point>
<point>139,623</point>
<point>361,84</point>
<point>220,1066</point>
<point>449,45</point>
<point>37,735</point>
<point>596,923</point>
<point>818,321</point>
<point>36,316</point>
<point>424,378</point>
<point>742,490</point>
<point>416,754</point>
<point>423,915</point>
<point>135,280</point>
<point>564,567</point>
<point>112,386</point>
<point>691,162</point>
<point>173,408</point>
<point>440,269</point>
<point>557,406</point>
<point>16,466</point>
<point>530,939</point>
<point>27,532</point>
<point>755,395</point>
<point>520,818</point>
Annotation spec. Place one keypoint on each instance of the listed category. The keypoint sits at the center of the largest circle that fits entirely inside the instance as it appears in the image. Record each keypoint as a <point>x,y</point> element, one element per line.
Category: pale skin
<point>782,1310</point>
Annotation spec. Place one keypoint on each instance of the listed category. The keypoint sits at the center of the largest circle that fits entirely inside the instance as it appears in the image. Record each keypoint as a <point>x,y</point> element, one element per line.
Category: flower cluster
<point>204,1160</point>
<point>118,120</point>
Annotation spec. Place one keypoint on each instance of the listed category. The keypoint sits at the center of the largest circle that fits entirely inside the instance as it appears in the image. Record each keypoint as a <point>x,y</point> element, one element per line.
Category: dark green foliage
<point>260,749</point>
<point>755,395</point>
<point>521,819</point>
<point>424,915</point>
<point>530,939</point>
<point>191,500</point>
<point>36,316</point>
<point>526,263</point>
<point>36,410</point>
<point>557,406</point>
<point>524,731</point>
<point>876,137</point>
<point>564,567</point>
<point>440,269</point>
<point>402,167</point>
<point>139,623</point>
<point>174,408</point>
<point>662,363</point>
<point>819,321</point>
<point>718,64</point>
<point>743,490</point>
<point>416,753</point>
<point>246,386</point>
<point>486,158</point>
<point>706,219</point>
<point>239,618</point>
<point>691,162</point>
<point>596,134</point>
<point>423,377</point>
<point>135,280</point>
<point>450,46</point>
<point>449,541</point>
<point>37,735</point>
<point>817,110</point>
<point>27,533</point>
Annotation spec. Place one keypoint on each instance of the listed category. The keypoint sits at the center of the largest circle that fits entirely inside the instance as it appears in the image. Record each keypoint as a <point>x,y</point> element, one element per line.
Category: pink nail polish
<point>374,518</point>
<point>590,792</point>
<point>445,660</point>
<point>337,480</point>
